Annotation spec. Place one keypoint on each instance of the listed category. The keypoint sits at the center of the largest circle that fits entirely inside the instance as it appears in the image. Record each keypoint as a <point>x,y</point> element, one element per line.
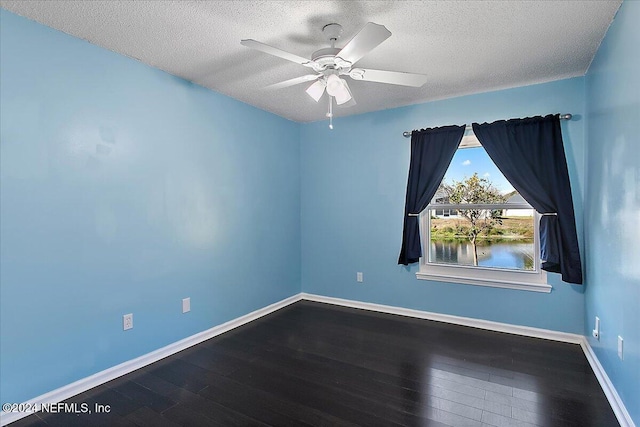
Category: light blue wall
<point>353,188</point>
<point>124,189</point>
<point>612,203</point>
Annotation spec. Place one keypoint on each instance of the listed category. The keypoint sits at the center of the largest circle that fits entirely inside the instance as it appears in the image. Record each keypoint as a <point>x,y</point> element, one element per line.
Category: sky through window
<point>468,161</point>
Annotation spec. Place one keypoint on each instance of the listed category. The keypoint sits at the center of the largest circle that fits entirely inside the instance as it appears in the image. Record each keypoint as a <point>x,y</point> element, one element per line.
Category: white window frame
<point>535,281</point>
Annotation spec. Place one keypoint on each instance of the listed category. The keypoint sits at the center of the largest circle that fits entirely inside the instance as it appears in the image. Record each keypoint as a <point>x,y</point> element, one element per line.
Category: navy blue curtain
<point>431,154</point>
<point>530,154</point>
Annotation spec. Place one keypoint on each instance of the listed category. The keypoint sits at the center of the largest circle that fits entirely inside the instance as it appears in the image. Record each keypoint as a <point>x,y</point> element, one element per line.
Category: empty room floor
<point>314,364</point>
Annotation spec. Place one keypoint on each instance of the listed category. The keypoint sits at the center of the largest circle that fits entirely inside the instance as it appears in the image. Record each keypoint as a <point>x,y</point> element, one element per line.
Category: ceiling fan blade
<point>370,36</point>
<point>316,90</point>
<point>391,77</point>
<point>274,51</point>
<point>294,81</point>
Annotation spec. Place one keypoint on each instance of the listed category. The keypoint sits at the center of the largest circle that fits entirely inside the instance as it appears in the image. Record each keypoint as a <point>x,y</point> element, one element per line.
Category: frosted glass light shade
<point>316,90</point>
<point>334,85</point>
<point>343,95</point>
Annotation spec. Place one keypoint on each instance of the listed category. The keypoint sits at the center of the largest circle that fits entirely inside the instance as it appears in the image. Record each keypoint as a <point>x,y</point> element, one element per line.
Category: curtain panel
<point>530,154</point>
<point>431,154</point>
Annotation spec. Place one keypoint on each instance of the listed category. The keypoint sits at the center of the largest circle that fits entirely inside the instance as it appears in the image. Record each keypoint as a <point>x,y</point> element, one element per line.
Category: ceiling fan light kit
<point>332,64</point>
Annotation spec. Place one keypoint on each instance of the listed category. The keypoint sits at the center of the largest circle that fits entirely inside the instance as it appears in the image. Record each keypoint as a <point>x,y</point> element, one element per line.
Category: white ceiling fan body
<point>331,64</point>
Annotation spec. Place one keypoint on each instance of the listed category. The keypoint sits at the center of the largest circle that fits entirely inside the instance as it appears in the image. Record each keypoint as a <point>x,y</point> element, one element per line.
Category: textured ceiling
<point>462,46</point>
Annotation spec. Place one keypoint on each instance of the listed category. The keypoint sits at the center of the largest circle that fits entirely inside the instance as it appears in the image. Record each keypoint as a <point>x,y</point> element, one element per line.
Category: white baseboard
<point>102,377</point>
<point>75,388</point>
<point>607,386</point>
<point>448,318</point>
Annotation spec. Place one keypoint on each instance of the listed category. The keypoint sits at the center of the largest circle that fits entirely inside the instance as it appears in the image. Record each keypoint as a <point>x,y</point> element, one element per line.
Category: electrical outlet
<point>596,331</point>
<point>359,277</point>
<point>127,321</point>
<point>186,305</point>
<point>620,347</point>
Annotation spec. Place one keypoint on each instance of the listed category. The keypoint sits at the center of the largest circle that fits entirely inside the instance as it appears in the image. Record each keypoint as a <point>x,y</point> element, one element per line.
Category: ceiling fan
<point>330,65</point>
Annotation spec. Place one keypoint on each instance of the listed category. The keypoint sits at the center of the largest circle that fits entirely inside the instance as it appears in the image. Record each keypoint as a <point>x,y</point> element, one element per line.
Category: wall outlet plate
<point>127,321</point>
<point>186,305</point>
<point>359,276</point>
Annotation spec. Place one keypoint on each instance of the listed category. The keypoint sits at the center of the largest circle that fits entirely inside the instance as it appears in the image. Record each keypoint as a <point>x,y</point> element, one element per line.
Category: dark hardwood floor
<point>313,364</point>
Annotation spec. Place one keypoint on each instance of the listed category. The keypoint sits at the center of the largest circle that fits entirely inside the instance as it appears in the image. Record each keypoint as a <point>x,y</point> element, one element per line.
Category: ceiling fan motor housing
<point>326,59</point>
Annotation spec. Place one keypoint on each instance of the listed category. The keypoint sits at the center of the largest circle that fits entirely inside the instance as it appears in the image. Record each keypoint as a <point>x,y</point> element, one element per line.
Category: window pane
<point>500,238</point>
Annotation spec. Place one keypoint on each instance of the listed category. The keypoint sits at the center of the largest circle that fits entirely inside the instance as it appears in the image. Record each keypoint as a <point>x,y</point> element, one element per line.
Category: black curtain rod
<point>566,116</point>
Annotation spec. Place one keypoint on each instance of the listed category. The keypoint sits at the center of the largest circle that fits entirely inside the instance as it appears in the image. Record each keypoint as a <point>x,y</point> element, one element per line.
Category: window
<point>478,230</point>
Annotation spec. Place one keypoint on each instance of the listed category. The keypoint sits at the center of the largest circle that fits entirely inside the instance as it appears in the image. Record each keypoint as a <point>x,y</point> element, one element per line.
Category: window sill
<point>494,283</point>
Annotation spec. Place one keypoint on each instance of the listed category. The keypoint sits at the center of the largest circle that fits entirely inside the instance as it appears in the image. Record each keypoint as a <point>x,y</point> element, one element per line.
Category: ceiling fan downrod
<point>333,33</point>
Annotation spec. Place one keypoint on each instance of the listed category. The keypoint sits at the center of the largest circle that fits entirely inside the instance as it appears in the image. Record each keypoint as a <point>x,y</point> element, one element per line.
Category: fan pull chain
<point>330,113</point>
